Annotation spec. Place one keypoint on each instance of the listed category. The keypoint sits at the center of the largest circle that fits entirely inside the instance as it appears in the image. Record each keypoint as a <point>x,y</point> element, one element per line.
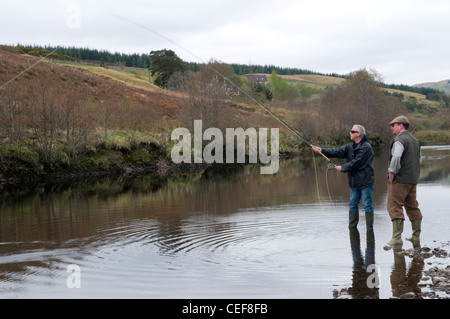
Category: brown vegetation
<point>360,100</point>
<point>56,118</point>
<point>56,113</point>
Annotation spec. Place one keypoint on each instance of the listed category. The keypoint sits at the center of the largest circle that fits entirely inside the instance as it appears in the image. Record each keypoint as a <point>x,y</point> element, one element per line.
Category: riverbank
<point>119,152</point>
<point>125,152</point>
<point>430,137</point>
<point>22,163</point>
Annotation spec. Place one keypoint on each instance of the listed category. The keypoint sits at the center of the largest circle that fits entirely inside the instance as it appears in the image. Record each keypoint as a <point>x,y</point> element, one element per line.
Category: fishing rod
<point>330,163</point>
<point>282,121</point>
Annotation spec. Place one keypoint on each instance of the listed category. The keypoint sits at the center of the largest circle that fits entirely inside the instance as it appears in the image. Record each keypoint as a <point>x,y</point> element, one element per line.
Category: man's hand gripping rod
<point>330,165</point>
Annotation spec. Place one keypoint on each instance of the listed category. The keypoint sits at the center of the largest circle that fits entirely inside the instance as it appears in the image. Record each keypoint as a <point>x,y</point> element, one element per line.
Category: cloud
<point>405,41</point>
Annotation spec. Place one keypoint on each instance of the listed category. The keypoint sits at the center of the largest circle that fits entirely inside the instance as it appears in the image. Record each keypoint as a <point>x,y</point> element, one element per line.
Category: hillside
<point>111,82</point>
<point>138,76</point>
<point>443,86</point>
<point>131,76</point>
<point>62,115</point>
<point>101,84</point>
<point>60,118</point>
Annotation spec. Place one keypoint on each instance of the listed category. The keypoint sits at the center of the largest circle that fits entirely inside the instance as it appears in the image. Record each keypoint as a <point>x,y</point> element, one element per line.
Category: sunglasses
<point>353,132</point>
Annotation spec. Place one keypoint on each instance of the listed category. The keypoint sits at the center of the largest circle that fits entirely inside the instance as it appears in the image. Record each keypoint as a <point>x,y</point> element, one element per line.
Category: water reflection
<point>435,166</point>
<point>405,280</point>
<point>365,281</point>
<point>225,232</point>
<point>360,288</point>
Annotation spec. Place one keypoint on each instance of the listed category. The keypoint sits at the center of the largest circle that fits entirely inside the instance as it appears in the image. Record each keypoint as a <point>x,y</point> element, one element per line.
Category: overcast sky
<point>406,42</point>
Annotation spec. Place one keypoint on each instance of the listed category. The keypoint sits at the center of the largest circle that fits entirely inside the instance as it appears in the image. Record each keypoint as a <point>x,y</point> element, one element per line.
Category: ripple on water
<point>249,237</point>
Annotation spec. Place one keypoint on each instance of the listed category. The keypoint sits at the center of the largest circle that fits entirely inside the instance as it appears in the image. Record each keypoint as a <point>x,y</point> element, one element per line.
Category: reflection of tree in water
<point>360,288</point>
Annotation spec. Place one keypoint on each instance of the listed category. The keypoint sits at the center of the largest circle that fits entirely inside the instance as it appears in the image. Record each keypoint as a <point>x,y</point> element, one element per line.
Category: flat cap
<point>400,119</point>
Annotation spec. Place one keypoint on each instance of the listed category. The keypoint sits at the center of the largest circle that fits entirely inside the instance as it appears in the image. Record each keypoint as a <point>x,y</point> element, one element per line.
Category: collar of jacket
<point>364,139</point>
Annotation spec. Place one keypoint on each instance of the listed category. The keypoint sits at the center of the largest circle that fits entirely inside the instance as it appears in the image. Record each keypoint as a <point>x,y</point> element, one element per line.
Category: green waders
<point>416,229</point>
<point>353,219</point>
<point>397,230</point>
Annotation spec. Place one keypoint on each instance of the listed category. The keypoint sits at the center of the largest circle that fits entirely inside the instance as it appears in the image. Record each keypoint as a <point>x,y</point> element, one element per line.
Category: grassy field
<point>140,78</point>
<point>321,80</point>
<point>135,77</point>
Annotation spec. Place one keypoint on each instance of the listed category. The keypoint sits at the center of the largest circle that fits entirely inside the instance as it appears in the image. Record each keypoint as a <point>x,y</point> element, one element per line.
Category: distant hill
<point>443,85</point>
<point>138,65</point>
<point>108,86</point>
<point>129,70</point>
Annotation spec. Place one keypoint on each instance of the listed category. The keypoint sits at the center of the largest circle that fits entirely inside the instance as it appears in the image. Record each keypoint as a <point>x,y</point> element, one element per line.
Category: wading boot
<point>369,221</point>
<point>416,228</point>
<point>353,219</point>
<point>397,230</point>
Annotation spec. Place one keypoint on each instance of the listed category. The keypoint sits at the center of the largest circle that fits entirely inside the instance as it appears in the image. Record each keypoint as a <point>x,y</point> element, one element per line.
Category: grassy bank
<point>429,137</point>
<point>127,151</point>
<point>121,151</point>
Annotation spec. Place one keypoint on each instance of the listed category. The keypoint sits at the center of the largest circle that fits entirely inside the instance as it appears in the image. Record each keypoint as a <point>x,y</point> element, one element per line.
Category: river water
<point>232,233</point>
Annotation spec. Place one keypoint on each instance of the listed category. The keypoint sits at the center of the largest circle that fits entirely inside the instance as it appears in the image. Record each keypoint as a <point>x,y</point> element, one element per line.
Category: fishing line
<point>326,183</point>
<point>328,190</point>
<point>317,179</point>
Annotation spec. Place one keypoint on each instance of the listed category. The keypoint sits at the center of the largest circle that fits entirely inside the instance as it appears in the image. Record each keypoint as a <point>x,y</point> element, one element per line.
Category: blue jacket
<point>359,166</point>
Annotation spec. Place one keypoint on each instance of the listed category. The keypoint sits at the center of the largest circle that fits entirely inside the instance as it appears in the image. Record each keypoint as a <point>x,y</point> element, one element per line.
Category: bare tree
<point>12,114</point>
<point>46,112</point>
<point>206,99</point>
<point>77,123</point>
<point>365,94</point>
<point>360,100</point>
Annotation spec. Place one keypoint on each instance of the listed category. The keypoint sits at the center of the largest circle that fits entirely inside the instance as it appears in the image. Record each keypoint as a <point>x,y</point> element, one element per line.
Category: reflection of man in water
<point>364,282</point>
<point>360,172</point>
<point>403,176</point>
<point>360,288</point>
<point>403,281</point>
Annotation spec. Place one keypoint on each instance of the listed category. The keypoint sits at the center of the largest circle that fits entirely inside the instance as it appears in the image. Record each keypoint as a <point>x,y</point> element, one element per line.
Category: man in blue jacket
<point>360,172</point>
